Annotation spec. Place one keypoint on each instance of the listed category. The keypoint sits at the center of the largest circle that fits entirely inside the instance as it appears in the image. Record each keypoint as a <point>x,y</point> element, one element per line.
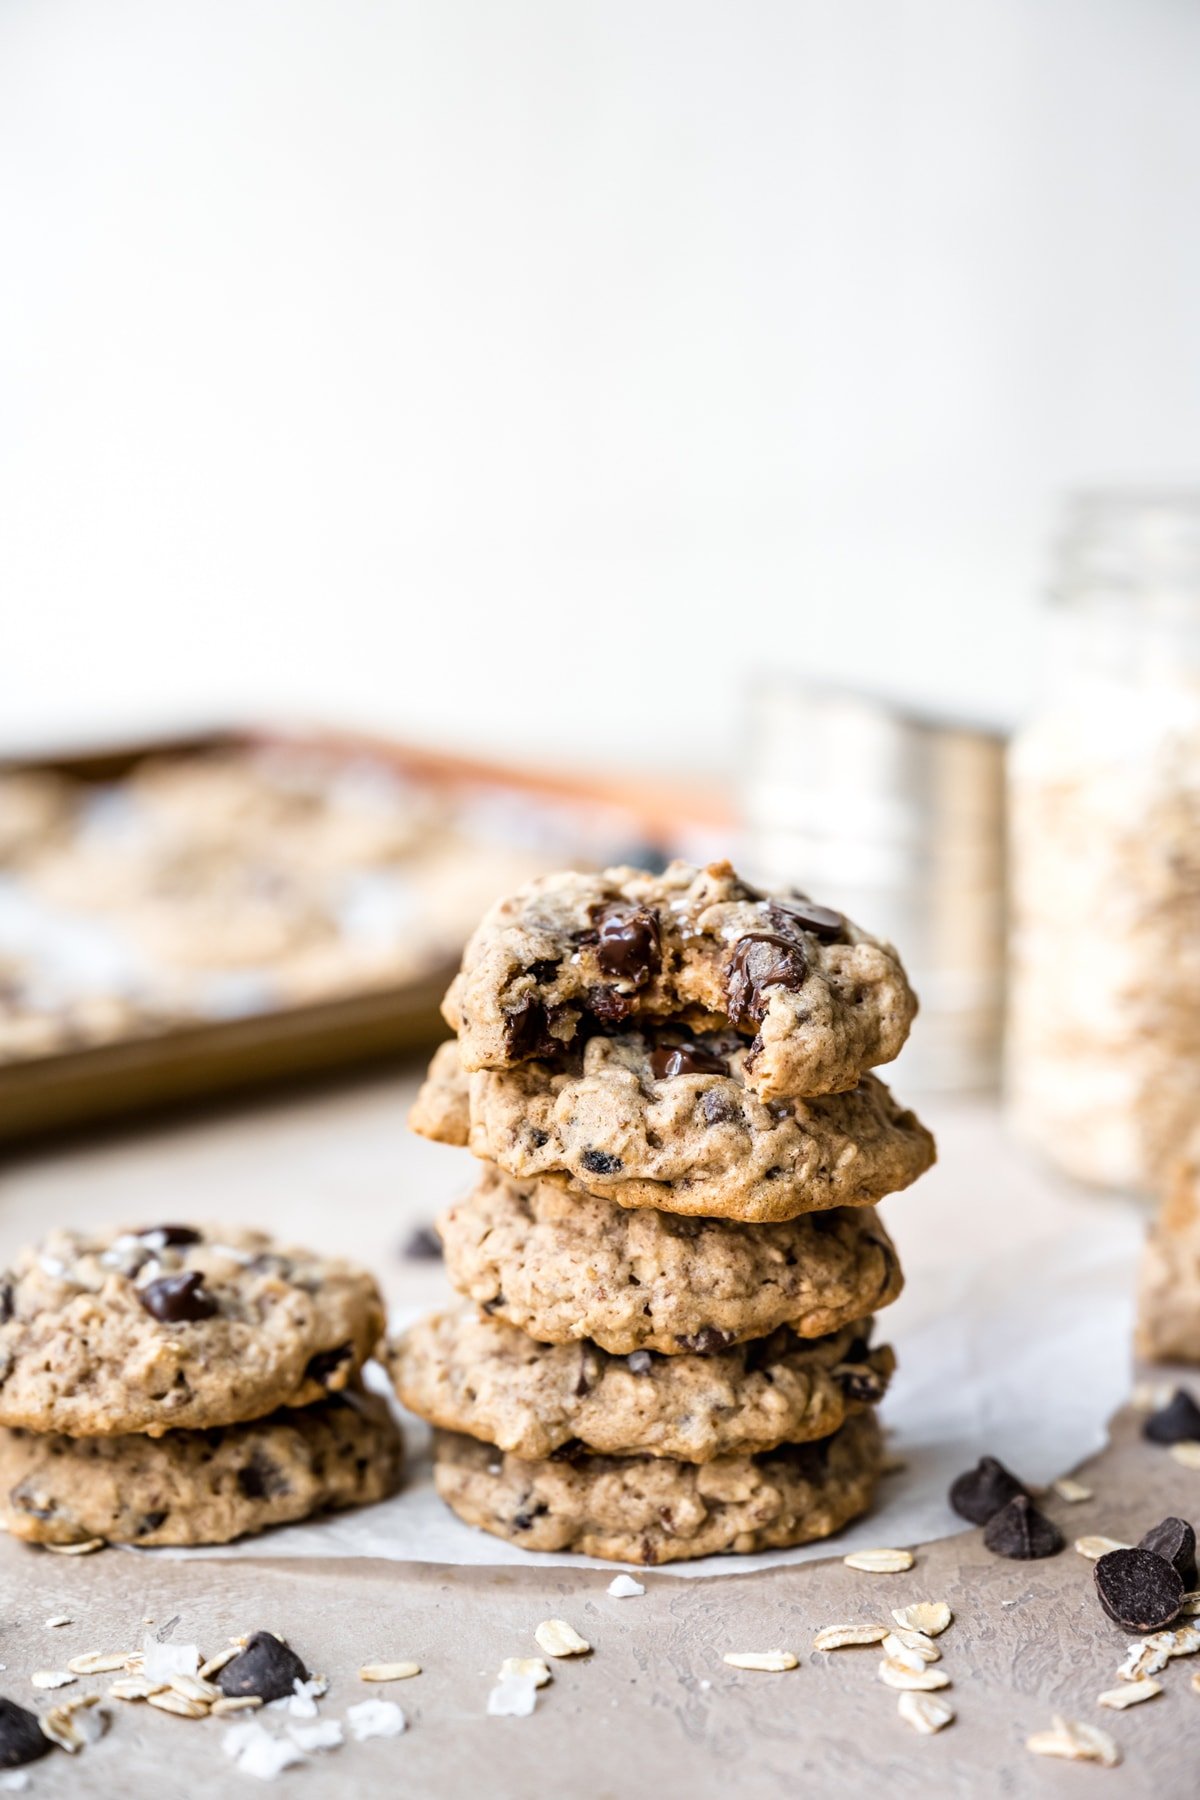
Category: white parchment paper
<point>1023,1353</point>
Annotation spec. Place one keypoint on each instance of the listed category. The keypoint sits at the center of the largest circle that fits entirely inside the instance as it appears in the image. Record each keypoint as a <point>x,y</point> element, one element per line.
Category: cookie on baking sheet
<point>563,1265</point>
<point>471,1374</point>
<point>649,1120</point>
<point>108,1332</point>
<point>573,953</point>
<point>645,1509</point>
<point>1168,1309</point>
<point>200,1487</point>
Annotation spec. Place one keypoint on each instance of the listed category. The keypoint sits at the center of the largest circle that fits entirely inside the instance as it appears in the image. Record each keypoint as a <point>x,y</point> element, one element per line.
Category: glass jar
<point>1103,1042</point>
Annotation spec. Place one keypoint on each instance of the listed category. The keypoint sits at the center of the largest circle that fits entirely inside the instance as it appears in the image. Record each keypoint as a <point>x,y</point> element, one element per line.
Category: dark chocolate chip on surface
<point>170,1234</point>
<point>627,942</point>
<point>822,921</point>
<point>22,1739</point>
<point>979,1494</point>
<point>639,1362</point>
<point>685,1059</point>
<point>1175,1540</point>
<point>599,1162</point>
<point>422,1245</point>
<point>325,1364</point>
<point>178,1299</point>
<point>1138,1589</point>
<point>267,1667</point>
<point>1174,1423</point>
<point>761,960</point>
<point>1020,1531</point>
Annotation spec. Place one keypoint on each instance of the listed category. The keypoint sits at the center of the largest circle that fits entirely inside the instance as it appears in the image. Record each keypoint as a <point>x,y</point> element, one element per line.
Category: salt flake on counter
<point>326,1734</point>
<point>513,1697</point>
<point>376,1718</point>
<point>624,1587</point>
<point>254,1751</point>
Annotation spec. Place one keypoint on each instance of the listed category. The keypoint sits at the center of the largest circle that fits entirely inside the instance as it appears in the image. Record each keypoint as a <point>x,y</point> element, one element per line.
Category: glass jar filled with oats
<point>1103,1044</point>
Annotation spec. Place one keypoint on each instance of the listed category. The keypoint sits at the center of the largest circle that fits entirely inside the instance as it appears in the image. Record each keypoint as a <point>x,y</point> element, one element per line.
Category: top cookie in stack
<point>670,1078</point>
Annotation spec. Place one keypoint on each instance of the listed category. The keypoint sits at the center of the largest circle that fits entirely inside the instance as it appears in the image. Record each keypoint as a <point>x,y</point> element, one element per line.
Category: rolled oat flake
<point>1020,1531</point>
<point>1138,1589</point>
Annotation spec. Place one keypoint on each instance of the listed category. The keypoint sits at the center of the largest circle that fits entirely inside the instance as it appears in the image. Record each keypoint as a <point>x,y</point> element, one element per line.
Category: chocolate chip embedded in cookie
<point>563,1266</point>
<point>652,1510</point>
<point>199,1487</point>
<point>475,1375</point>
<point>571,954</point>
<point>104,1333</point>
<point>648,1118</point>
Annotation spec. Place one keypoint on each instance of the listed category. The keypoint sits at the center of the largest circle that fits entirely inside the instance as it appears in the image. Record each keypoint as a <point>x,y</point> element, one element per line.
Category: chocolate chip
<point>1175,1541</point>
<point>719,1107</point>
<point>267,1667</point>
<point>22,1739</point>
<point>261,1479</point>
<point>524,1519</point>
<point>822,921</point>
<point>6,1302</point>
<point>422,1245</point>
<point>150,1522</point>
<point>609,1006</point>
<point>573,1451</point>
<point>860,1382</point>
<point>1138,1589</point>
<point>178,1299</point>
<point>760,960</point>
<point>170,1234</point>
<point>1020,1531</point>
<point>627,942</point>
<point>705,1342</point>
<point>325,1364</point>
<point>685,1059</point>
<point>982,1491</point>
<point>1174,1423</point>
<point>528,1033</point>
<point>639,1362</point>
<point>599,1162</point>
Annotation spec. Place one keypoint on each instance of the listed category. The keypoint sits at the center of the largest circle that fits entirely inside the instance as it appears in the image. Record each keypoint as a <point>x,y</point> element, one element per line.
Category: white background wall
<point>524,373</point>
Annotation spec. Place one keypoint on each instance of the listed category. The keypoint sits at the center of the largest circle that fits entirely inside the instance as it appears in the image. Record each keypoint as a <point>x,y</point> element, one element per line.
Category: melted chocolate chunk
<point>609,1006</point>
<point>639,1362</point>
<point>685,1059</point>
<point>171,1234</point>
<point>150,1522</point>
<point>822,921</point>
<point>599,1162</point>
<point>1175,1541</point>
<point>1138,1589</point>
<point>628,945</point>
<point>718,1107</point>
<point>1020,1531</point>
<point>761,960</point>
<point>422,1245</point>
<point>325,1364</point>
<point>705,1342</point>
<point>261,1479</point>
<point>982,1491</point>
<point>267,1667</point>
<point>1178,1420</point>
<point>178,1299</point>
<point>22,1739</point>
<point>526,1030</point>
<point>573,1451</point>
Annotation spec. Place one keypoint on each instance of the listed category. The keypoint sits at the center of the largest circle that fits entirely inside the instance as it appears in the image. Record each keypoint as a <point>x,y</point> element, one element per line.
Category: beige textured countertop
<point>654,1709</point>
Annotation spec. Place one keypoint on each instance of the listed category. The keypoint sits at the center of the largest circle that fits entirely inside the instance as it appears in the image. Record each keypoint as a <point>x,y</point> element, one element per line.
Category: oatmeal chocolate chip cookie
<point>564,1266</point>
<point>646,1509</point>
<point>470,1374</point>
<point>646,1119</point>
<point>200,1487</point>
<point>103,1333</point>
<point>571,954</point>
<point>442,1109</point>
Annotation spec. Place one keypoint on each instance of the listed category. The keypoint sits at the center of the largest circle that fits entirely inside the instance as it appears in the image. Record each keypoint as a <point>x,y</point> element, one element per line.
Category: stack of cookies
<point>671,1258</point>
<point>180,1386</point>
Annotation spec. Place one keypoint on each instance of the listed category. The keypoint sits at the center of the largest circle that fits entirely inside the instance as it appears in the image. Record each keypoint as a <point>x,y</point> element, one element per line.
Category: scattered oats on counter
<point>925,1712</point>
<point>389,1671</point>
<point>525,1668</point>
<point>1187,1453</point>
<point>930,1616</point>
<point>1076,1741</point>
<point>912,1648</point>
<point>83,1549</point>
<point>98,1662</point>
<point>880,1562</point>
<point>771,1662</point>
<point>557,1638</point>
<point>1072,1491</point>
<point>624,1587</point>
<point>1130,1693</point>
<point>895,1674</point>
<point>1096,1547</point>
<point>74,1723</point>
<point>51,1678</point>
<point>837,1637</point>
<point>1147,1656</point>
<point>57,1620</point>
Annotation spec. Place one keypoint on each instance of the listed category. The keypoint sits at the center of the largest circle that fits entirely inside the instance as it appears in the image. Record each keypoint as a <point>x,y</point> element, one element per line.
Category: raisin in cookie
<point>647,1120</point>
<point>564,1266</point>
<point>570,954</point>
<point>199,1487</point>
<point>470,1374</point>
<point>646,1509</point>
<point>103,1333</point>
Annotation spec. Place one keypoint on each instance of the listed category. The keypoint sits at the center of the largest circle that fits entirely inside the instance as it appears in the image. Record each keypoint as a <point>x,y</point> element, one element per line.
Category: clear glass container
<point>1103,1042</point>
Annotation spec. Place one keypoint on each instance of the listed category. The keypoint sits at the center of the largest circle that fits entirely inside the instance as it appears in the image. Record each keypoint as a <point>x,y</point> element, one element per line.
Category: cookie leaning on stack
<point>673,1242</point>
<point>184,1386</point>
